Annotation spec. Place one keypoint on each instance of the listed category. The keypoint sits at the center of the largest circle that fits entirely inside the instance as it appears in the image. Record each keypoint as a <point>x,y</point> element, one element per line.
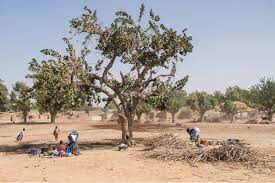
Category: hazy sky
<point>234,40</point>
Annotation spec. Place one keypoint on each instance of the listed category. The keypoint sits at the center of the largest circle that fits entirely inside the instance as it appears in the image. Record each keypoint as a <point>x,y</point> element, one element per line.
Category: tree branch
<point>172,73</point>
<point>109,95</point>
<point>108,67</point>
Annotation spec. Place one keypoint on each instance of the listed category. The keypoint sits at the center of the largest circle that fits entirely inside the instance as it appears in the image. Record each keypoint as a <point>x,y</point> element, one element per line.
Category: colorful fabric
<point>62,147</point>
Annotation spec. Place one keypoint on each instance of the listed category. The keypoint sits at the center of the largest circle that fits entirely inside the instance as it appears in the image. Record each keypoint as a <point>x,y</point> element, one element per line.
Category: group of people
<point>62,149</point>
<point>67,149</point>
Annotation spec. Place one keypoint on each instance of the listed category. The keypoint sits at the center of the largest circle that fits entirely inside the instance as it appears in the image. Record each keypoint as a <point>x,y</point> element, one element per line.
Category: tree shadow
<point>104,144</point>
<point>155,127</point>
<point>21,148</point>
<point>83,146</point>
<point>28,123</point>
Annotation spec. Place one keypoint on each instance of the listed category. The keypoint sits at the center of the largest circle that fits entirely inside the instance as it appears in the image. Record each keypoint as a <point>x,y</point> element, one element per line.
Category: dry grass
<point>170,147</point>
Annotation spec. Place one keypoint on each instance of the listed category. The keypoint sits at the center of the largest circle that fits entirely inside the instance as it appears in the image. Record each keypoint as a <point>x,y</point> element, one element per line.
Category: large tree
<point>263,95</point>
<point>20,99</point>
<point>135,57</point>
<point>201,102</point>
<point>55,87</point>
<point>4,102</point>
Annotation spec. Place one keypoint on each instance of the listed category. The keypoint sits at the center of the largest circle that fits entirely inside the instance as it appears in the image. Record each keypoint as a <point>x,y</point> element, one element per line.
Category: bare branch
<point>172,73</point>
<point>111,97</point>
<point>108,67</point>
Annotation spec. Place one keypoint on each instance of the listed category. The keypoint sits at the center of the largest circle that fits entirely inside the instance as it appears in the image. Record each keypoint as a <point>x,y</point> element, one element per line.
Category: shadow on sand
<point>28,123</point>
<point>105,144</point>
<point>83,146</point>
<point>141,127</point>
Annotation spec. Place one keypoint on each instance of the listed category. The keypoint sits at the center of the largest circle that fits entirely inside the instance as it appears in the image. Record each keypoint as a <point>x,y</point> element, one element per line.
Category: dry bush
<point>265,122</point>
<point>170,147</point>
<point>214,120</point>
<point>252,121</point>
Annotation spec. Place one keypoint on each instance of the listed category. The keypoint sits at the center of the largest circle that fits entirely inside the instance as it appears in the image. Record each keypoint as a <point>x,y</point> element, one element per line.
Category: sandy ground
<point>99,162</point>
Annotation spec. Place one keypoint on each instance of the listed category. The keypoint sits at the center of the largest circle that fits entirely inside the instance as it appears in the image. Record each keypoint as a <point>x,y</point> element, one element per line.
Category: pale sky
<point>234,40</point>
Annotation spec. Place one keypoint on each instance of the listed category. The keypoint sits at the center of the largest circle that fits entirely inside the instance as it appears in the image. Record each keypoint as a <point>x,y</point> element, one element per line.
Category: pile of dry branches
<point>171,147</point>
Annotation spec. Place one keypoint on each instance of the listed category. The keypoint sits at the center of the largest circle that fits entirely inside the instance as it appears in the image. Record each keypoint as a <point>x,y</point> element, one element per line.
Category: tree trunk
<point>39,114</point>
<point>139,116</point>
<point>124,129</point>
<point>232,118</point>
<point>130,125</point>
<point>173,117</point>
<point>25,115</point>
<point>201,116</point>
<point>269,114</point>
<point>53,116</point>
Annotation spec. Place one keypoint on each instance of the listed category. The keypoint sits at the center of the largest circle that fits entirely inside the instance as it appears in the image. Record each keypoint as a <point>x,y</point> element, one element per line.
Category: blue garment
<point>194,133</point>
<point>68,151</point>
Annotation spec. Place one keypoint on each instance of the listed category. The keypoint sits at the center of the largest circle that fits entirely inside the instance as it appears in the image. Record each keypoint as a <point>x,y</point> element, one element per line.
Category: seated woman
<point>55,151</point>
<point>62,148</point>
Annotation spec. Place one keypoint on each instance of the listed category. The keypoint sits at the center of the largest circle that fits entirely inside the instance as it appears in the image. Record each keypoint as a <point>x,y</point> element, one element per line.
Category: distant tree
<point>230,109</point>
<point>263,95</point>
<point>218,97</point>
<point>171,97</point>
<point>177,100</point>
<point>147,50</point>
<point>20,99</point>
<point>143,108</point>
<point>4,102</point>
<point>201,102</point>
<point>238,94</point>
<point>55,80</point>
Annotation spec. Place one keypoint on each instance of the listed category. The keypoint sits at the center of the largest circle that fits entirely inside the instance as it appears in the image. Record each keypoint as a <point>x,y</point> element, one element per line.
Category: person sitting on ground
<point>55,151</point>
<point>21,135</point>
<point>194,133</point>
<point>62,148</point>
<point>56,133</point>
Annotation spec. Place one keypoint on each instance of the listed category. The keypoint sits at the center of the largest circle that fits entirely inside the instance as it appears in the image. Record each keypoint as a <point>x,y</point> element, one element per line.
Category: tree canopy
<point>20,99</point>
<point>201,102</point>
<point>170,97</point>
<point>148,49</point>
<point>55,87</point>
<point>230,109</point>
<point>4,101</point>
<point>263,95</point>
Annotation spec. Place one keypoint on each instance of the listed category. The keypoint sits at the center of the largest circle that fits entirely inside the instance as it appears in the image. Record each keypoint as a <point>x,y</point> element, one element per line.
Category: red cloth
<point>62,147</point>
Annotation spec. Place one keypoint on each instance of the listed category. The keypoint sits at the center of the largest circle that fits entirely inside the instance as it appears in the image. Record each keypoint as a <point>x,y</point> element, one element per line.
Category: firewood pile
<point>170,147</point>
